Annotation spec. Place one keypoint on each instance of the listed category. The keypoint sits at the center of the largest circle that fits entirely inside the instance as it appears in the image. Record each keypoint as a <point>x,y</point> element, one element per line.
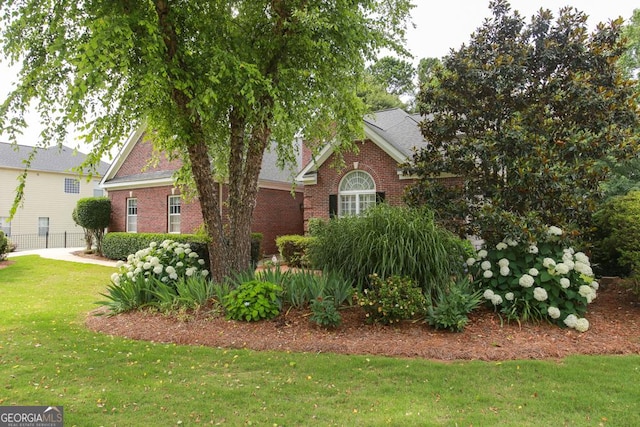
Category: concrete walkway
<point>63,254</point>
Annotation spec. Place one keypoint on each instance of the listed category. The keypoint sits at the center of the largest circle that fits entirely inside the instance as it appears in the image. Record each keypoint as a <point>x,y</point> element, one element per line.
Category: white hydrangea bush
<point>542,280</point>
<point>167,262</point>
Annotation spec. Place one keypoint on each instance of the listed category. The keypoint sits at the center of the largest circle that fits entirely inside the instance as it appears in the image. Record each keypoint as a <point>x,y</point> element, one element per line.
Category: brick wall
<point>371,159</point>
<point>277,213</point>
<point>138,160</point>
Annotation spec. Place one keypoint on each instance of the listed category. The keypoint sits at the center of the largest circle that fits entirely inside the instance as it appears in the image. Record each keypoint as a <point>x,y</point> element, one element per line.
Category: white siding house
<point>51,193</point>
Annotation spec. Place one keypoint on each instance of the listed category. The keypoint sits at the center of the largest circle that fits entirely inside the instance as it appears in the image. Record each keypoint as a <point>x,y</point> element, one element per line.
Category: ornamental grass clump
<point>153,274</point>
<point>536,281</point>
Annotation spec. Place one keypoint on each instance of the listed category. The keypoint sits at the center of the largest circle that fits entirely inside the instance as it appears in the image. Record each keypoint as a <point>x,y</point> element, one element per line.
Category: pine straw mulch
<point>614,317</point>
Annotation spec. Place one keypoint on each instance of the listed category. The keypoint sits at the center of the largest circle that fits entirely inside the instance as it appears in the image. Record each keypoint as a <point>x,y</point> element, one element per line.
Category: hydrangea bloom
<point>581,257</point>
<point>554,231</point>
<point>505,271</point>
<point>583,268</point>
<point>470,261</point>
<point>571,320</point>
<point>548,262</point>
<point>496,299</point>
<point>561,268</point>
<point>540,294</point>
<point>488,274</point>
<point>486,265</point>
<point>511,242</point>
<point>595,285</point>
<point>488,294</point>
<point>503,262</point>
<point>553,312</point>
<point>526,281</point>
<point>482,254</point>
<point>582,325</point>
<point>533,272</point>
<point>533,249</point>
<point>509,296</point>
<point>565,283</point>
<point>501,246</point>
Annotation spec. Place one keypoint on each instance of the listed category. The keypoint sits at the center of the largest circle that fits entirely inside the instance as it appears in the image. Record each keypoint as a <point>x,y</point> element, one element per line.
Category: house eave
<point>132,185</point>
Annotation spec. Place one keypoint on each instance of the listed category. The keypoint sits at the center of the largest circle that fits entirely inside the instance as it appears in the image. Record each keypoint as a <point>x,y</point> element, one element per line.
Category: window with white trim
<point>357,193</point>
<point>174,214</point>
<point>132,215</point>
<point>71,186</point>
<point>5,225</point>
<point>43,226</point>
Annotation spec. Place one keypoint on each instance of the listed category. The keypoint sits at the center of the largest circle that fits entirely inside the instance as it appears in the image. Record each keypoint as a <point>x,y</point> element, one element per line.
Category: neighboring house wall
<point>51,194</point>
<point>371,159</point>
<point>44,197</point>
<point>277,211</point>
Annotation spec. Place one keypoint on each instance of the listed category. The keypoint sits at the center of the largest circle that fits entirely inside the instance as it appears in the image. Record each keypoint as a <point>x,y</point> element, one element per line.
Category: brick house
<point>144,198</point>
<point>371,175</point>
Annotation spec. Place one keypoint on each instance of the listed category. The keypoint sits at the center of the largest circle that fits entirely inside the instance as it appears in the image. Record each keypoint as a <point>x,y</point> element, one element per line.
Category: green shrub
<point>543,280</point>
<point>325,313</point>
<point>254,300</point>
<point>453,305</point>
<point>93,215</point>
<point>616,249</point>
<point>4,246</point>
<point>392,300</point>
<point>389,241</point>
<point>119,246</point>
<point>293,249</point>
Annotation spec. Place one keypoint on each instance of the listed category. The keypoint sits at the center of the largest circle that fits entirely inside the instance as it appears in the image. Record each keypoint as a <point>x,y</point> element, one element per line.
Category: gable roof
<point>52,159</point>
<point>394,130</point>
<point>271,175</point>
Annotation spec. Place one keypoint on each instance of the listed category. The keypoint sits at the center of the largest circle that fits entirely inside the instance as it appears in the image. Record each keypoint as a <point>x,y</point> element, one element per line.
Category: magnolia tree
<point>214,82</point>
<point>523,114</point>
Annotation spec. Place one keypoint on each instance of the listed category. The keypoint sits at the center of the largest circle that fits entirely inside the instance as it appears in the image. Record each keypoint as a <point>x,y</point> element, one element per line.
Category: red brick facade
<point>277,211</point>
<point>371,159</point>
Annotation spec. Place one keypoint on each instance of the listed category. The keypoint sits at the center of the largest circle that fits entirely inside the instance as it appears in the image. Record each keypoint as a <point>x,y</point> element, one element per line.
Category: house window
<point>132,215</point>
<point>43,226</point>
<point>357,193</point>
<point>5,225</point>
<point>71,186</point>
<point>174,214</point>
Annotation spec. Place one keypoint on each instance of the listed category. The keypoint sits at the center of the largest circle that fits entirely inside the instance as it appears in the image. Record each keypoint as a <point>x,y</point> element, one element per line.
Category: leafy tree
<point>213,81</point>
<point>395,74</point>
<point>375,95</point>
<point>93,215</point>
<point>630,60</point>
<point>426,70</point>
<point>523,114</point>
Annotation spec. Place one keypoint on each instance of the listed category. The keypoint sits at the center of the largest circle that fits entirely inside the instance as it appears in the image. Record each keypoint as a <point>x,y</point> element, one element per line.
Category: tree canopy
<point>523,114</point>
<point>214,82</point>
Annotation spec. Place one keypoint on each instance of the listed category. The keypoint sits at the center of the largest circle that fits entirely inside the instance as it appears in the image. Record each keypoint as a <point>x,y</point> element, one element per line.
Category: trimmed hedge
<point>120,245</point>
<point>293,249</point>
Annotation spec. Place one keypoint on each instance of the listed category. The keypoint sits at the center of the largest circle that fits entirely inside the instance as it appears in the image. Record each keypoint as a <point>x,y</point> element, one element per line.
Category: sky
<point>439,27</point>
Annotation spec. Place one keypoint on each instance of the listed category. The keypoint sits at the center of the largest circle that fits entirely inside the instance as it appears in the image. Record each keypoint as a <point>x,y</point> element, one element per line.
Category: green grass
<point>47,357</point>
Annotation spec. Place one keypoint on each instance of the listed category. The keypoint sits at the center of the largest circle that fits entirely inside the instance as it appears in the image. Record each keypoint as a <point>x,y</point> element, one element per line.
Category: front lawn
<point>47,357</point>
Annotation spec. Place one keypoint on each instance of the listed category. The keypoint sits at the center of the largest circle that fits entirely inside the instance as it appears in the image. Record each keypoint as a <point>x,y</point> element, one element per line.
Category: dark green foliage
<point>4,246</point>
<point>524,114</point>
<point>256,248</point>
<point>453,305</point>
<point>325,313</point>
<point>392,300</point>
<point>293,249</point>
<point>389,241</point>
<point>93,215</point>
<point>617,243</point>
<point>252,301</point>
<point>131,295</point>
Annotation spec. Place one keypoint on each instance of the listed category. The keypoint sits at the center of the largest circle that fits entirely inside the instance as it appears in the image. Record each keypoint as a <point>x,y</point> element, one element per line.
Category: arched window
<point>357,193</point>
